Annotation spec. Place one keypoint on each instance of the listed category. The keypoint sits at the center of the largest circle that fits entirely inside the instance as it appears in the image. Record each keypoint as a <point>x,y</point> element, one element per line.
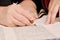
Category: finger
<point>50,4</point>
<point>50,14</point>
<point>54,13</point>
<point>27,14</point>
<point>17,23</point>
<point>9,21</point>
<point>21,18</point>
<point>33,12</point>
<point>48,18</point>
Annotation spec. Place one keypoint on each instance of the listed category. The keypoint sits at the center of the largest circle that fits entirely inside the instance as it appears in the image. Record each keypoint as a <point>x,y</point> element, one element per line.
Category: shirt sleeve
<point>5,2</point>
<point>17,1</point>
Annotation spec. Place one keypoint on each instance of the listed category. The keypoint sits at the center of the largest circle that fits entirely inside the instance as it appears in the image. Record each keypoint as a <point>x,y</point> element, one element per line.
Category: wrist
<point>2,9</point>
<point>3,13</point>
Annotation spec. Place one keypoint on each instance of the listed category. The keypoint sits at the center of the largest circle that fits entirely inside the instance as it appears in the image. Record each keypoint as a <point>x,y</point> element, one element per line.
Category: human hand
<point>54,7</point>
<point>17,16</point>
<point>30,6</point>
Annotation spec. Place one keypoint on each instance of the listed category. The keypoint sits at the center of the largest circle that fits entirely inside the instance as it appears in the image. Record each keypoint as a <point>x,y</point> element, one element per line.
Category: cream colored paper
<point>40,31</point>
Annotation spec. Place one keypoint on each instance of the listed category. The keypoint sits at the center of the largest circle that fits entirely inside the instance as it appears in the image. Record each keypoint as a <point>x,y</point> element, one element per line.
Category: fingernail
<point>36,16</point>
<point>32,21</point>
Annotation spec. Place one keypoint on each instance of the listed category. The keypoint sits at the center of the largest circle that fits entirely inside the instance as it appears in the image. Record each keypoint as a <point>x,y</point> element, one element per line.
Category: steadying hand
<point>54,8</point>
